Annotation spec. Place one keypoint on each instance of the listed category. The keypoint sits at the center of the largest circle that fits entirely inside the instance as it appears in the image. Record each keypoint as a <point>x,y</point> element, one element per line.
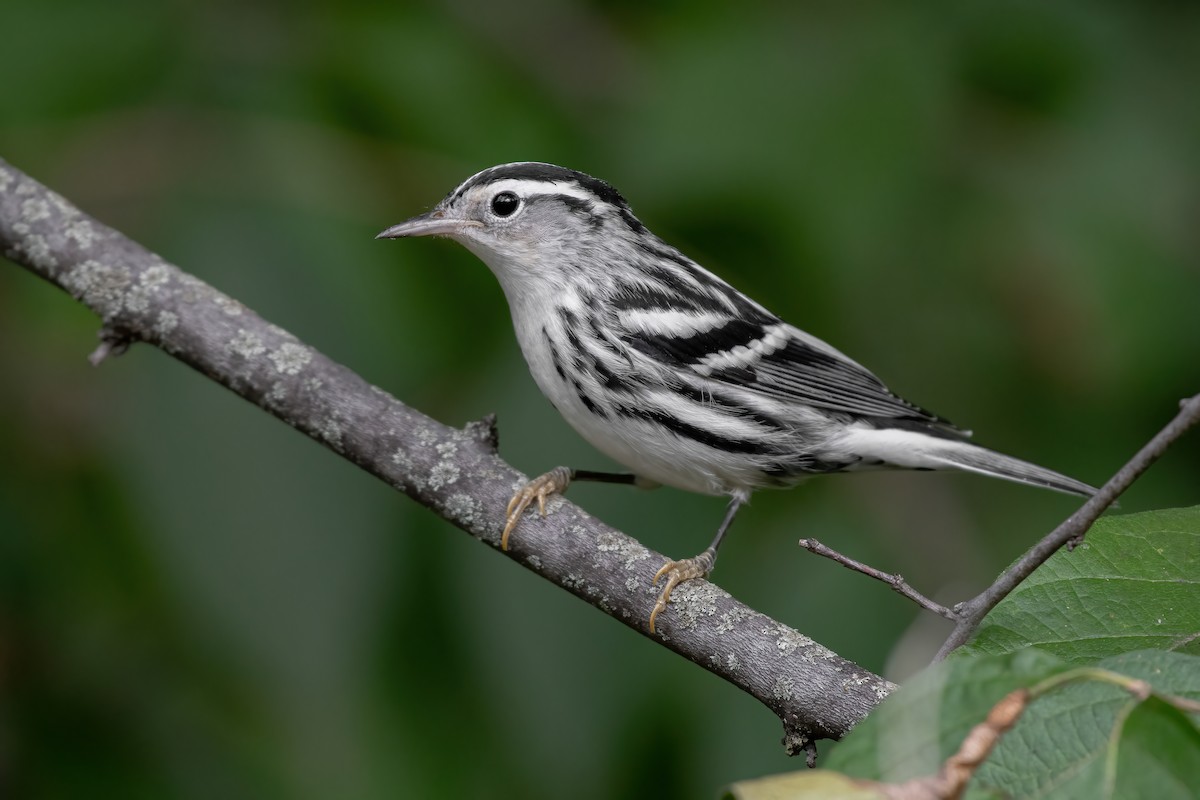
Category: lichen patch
<point>788,639</point>
<point>228,305</point>
<point>165,322</point>
<point>626,549</point>
<point>99,285</point>
<point>37,251</point>
<point>694,601</point>
<point>81,232</point>
<point>444,473</point>
<point>731,618</point>
<point>247,344</point>
<point>330,429</point>
<point>35,209</point>
<point>463,509</point>
<point>154,276</point>
<point>290,358</point>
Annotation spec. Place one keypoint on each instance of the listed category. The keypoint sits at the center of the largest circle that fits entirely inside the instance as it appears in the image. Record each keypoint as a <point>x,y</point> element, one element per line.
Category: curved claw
<point>663,598</point>
<point>555,481</point>
<point>516,507</point>
<point>678,572</point>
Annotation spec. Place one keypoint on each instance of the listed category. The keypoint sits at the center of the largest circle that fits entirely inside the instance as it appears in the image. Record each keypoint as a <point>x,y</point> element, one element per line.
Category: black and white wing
<point>712,332</point>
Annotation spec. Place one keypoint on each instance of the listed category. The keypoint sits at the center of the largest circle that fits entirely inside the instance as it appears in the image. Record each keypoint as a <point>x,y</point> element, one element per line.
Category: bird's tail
<point>916,450</point>
<point>972,458</point>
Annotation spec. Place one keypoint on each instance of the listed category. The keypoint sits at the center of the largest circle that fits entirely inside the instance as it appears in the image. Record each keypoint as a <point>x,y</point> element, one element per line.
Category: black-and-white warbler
<point>669,370</point>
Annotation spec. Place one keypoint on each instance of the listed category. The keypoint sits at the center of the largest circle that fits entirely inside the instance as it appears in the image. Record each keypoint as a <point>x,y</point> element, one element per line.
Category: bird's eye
<point>505,204</point>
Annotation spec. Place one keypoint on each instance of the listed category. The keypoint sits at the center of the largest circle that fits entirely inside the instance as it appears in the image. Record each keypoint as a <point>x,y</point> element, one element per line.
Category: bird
<point>672,372</point>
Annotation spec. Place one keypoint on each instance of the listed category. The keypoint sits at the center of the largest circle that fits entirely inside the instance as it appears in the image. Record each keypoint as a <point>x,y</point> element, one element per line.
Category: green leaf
<point>1133,584</point>
<point>1157,754</point>
<point>1061,747</point>
<point>1077,741</point>
<point>923,722</point>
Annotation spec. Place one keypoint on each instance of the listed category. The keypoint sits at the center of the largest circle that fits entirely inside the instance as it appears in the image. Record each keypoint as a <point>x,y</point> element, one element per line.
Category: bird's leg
<point>676,572</point>
<point>555,481</point>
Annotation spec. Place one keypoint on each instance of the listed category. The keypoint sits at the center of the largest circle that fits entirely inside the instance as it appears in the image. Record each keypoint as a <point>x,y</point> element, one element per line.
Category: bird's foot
<point>555,481</point>
<point>676,572</point>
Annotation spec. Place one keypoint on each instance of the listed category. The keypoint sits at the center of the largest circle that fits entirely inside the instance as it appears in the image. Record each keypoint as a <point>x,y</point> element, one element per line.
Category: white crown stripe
<point>524,187</point>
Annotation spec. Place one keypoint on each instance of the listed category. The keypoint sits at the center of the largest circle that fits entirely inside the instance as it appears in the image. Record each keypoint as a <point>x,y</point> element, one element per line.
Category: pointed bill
<point>434,223</point>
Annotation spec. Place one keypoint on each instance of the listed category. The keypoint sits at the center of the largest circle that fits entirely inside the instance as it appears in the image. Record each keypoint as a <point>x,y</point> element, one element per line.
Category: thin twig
<point>893,580</point>
<point>1072,529</point>
<point>113,343</point>
<point>456,473</point>
<point>810,754</point>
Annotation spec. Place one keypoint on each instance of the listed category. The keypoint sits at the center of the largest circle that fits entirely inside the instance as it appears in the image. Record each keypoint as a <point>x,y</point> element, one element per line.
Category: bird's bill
<point>433,223</point>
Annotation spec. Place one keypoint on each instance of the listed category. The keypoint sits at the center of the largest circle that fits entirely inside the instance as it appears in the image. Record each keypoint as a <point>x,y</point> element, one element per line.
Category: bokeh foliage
<point>993,205</point>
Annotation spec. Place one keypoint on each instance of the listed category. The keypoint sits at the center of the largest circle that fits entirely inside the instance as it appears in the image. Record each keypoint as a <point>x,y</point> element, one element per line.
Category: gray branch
<point>456,473</point>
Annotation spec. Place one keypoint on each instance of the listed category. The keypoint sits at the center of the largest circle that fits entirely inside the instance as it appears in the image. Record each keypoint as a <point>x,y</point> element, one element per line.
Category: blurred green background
<point>992,205</point>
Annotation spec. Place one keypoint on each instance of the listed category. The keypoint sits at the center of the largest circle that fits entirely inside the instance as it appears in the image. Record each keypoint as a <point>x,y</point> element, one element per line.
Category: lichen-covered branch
<point>457,473</point>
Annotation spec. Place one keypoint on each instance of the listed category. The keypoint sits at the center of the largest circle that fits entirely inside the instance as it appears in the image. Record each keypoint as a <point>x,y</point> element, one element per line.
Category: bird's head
<point>529,220</point>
